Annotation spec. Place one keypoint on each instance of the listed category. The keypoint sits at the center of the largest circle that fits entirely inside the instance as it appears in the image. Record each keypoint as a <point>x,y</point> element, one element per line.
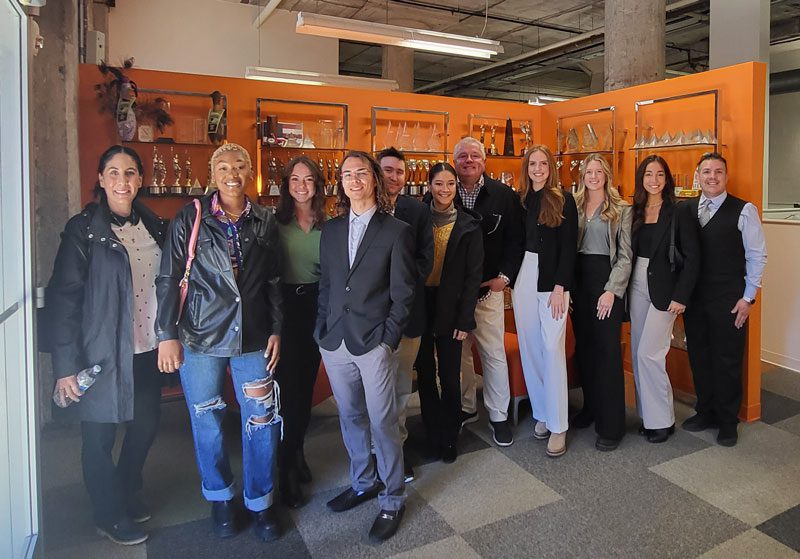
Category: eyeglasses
<point>357,176</point>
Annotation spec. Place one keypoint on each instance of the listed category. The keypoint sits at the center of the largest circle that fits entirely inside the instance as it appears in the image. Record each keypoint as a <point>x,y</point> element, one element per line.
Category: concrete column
<point>398,65</point>
<point>738,32</point>
<point>55,174</point>
<point>635,42</point>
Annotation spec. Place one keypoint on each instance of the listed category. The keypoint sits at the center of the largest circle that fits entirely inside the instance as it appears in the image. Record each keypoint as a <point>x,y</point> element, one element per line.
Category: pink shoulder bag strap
<point>184,283</point>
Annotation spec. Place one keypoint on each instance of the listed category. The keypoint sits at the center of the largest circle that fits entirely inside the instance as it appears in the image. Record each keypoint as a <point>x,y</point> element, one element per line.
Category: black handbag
<point>675,257</point>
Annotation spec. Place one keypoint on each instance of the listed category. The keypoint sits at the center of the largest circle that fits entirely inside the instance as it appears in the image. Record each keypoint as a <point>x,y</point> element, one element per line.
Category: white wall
<point>784,149</point>
<point>780,310</point>
<point>212,37</point>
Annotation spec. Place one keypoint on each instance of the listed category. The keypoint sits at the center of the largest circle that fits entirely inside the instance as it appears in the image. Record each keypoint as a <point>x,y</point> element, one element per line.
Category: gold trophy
<point>210,186</point>
<point>153,188</point>
<point>187,172</point>
<point>493,145</point>
<point>482,139</point>
<point>526,130</point>
<point>176,187</point>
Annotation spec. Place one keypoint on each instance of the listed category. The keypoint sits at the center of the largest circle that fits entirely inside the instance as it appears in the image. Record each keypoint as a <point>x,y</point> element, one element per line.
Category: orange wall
<point>741,108</point>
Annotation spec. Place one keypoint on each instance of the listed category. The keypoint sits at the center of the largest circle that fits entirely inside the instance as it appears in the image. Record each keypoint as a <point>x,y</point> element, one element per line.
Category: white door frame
<point>18,394</point>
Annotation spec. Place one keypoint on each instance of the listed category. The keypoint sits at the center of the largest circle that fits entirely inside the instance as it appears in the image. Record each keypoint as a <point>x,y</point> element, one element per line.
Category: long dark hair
<point>551,211</point>
<point>103,163</point>
<point>640,194</point>
<point>381,197</point>
<point>285,211</point>
<point>440,167</point>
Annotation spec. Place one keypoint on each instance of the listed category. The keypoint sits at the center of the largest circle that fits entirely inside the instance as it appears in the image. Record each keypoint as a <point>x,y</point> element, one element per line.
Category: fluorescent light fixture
<point>302,77</point>
<point>539,100</point>
<point>380,33</point>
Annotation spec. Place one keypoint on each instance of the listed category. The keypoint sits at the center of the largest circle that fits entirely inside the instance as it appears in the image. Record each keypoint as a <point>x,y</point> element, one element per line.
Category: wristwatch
<point>750,300</point>
<point>505,278</point>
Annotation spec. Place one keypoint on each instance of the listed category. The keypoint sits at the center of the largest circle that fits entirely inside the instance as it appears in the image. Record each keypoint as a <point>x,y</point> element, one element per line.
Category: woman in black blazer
<point>541,294</point>
<point>451,293</point>
<point>660,287</point>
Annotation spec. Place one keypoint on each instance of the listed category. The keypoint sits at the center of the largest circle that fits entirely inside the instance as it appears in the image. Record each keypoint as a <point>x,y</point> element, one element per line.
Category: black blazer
<point>418,216</point>
<point>370,303</point>
<point>665,285</point>
<point>501,220</point>
<point>558,246</point>
<point>462,268</point>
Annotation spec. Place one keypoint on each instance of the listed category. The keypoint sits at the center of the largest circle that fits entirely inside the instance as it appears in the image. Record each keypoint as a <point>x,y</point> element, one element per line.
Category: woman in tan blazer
<point>601,280</point>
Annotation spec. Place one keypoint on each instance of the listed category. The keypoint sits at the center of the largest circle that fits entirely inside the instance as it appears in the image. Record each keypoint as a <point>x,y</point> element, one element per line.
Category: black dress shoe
<point>449,453</point>
<point>124,532</point>
<point>606,445</point>
<point>386,525</point>
<point>291,492</point>
<point>266,527</point>
<point>699,422</point>
<point>408,469</point>
<point>350,498</point>
<point>223,518</point>
<point>728,435</point>
<point>660,435</point>
<point>303,471</point>
<point>643,431</point>
<point>582,420</point>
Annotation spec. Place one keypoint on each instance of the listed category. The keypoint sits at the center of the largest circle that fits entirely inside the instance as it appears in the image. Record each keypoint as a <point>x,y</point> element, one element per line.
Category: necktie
<point>705,212</point>
<point>355,237</point>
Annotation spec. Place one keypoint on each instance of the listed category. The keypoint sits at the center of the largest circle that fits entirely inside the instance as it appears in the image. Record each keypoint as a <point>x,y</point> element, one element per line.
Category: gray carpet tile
<point>753,481</point>
<point>67,517</point>
<point>785,528</point>
<point>345,534</point>
<point>417,444</point>
<point>775,407</point>
<point>105,549</point>
<point>196,540</point>
<point>454,546</point>
<point>781,381</point>
<point>750,544</point>
<point>792,425</point>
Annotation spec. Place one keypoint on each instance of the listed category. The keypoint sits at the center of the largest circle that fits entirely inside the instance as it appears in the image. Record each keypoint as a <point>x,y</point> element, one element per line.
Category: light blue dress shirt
<point>358,226</point>
<point>755,245</point>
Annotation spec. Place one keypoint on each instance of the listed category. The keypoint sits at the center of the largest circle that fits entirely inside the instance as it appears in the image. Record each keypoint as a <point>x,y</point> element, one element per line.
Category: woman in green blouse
<point>300,214</point>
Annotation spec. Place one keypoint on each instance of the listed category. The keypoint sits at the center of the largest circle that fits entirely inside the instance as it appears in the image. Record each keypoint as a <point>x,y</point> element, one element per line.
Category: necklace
<point>232,216</point>
<point>653,205</point>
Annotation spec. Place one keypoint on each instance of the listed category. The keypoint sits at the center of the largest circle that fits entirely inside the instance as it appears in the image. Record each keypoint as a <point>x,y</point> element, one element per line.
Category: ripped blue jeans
<point>202,378</point>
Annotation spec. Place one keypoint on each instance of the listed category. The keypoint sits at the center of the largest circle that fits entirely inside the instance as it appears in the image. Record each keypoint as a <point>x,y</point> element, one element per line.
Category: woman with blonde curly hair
<point>601,280</point>
<point>541,294</point>
<point>231,317</point>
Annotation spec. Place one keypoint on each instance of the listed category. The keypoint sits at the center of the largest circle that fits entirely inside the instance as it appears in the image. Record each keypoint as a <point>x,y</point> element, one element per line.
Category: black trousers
<point>441,413</point>
<point>597,348</point>
<point>716,354</point>
<point>111,485</point>
<point>297,369</point>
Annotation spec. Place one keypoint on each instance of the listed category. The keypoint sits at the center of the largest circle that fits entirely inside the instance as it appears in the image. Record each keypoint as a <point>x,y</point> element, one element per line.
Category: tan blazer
<point>620,250</point>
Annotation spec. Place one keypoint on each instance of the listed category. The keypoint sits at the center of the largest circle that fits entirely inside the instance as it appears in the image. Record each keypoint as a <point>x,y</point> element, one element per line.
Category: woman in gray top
<point>601,279</point>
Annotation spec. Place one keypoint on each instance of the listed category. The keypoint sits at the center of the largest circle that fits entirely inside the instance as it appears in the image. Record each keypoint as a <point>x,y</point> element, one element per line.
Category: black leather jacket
<point>223,316</point>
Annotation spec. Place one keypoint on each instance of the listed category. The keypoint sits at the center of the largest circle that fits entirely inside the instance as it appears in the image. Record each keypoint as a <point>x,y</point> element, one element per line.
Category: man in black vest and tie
<point>366,290</point>
<point>734,254</point>
<point>410,210</point>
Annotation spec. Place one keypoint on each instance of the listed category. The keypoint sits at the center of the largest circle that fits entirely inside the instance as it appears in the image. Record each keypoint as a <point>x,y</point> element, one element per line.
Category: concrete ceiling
<point>521,26</point>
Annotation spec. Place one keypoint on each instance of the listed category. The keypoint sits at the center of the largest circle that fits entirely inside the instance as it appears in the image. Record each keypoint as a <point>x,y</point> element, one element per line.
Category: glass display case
<point>287,128</point>
<point>505,140</point>
<point>176,146</point>
<point>582,133</point>
<point>679,129</point>
<point>421,135</point>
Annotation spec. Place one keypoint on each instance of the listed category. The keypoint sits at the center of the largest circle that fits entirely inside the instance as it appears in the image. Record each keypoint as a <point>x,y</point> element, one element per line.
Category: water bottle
<point>86,379</point>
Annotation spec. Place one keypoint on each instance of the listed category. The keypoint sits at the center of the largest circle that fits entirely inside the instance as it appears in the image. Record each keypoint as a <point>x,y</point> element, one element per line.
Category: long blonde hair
<point>612,206</point>
<point>551,212</point>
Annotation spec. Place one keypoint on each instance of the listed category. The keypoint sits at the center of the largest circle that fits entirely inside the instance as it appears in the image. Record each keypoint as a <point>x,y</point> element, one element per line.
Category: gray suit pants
<point>364,389</point>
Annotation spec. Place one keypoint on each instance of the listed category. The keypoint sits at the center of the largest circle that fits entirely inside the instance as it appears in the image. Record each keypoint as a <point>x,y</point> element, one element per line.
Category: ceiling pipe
<point>584,40</point>
<point>784,82</point>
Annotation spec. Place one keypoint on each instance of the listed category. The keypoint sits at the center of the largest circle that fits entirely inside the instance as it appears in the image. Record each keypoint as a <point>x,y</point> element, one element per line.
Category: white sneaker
<point>540,431</point>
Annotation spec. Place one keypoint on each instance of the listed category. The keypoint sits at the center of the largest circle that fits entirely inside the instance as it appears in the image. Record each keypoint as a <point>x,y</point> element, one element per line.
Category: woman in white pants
<point>666,261</point>
<point>541,294</point>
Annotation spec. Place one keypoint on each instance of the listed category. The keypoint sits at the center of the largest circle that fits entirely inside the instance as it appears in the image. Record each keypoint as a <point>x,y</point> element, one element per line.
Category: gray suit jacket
<point>620,250</point>
<point>369,303</point>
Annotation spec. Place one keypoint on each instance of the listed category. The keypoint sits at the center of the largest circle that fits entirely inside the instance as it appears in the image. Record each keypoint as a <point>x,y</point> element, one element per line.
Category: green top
<point>300,253</point>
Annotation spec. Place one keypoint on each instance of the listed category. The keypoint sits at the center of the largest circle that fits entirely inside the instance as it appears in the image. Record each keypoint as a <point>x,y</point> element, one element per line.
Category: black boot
<point>291,492</point>
<point>303,471</point>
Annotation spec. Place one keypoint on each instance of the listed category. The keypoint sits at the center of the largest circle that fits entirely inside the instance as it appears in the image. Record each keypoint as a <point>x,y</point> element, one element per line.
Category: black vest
<point>723,269</point>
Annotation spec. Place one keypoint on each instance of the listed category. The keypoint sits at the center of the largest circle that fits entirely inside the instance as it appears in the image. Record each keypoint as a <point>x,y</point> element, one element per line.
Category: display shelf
<point>582,133</point>
<point>299,124</point>
<point>145,193</point>
<point>414,131</point>
<point>161,142</point>
<point>673,115</point>
<point>479,124</point>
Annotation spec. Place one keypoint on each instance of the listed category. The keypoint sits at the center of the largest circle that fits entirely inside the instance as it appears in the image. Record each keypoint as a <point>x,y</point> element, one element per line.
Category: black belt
<point>302,288</point>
